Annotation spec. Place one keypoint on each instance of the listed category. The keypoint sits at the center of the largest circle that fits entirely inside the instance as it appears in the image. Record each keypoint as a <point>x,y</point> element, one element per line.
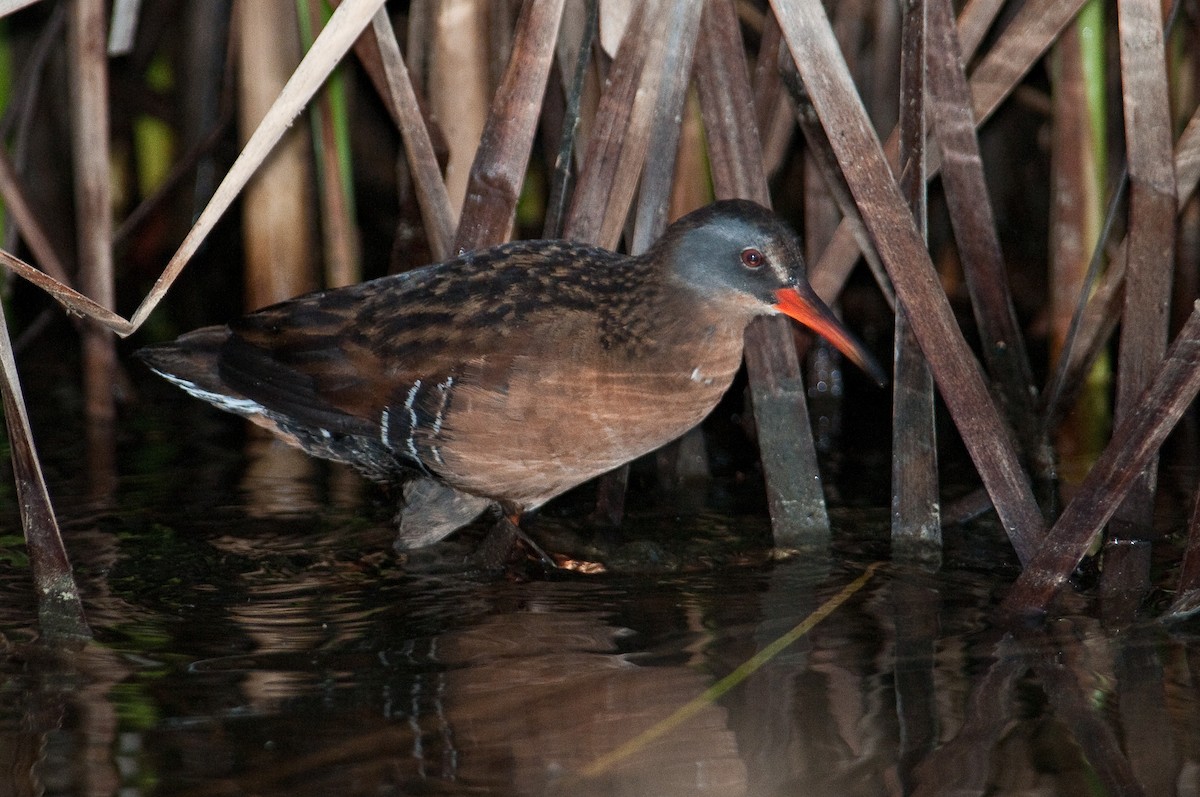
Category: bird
<point>508,375</point>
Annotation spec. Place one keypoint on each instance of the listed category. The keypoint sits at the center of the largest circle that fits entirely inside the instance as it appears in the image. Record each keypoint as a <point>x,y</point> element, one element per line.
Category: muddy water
<point>256,635</point>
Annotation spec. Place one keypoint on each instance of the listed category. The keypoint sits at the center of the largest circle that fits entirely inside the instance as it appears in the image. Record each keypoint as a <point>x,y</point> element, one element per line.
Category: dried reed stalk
<point>93,203</point>
<point>618,142</point>
<point>967,198</point>
<point>916,515</point>
<point>1135,440</point>
<point>457,85</point>
<point>903,252</point>
<point>498,173</point>
<point>1102,311</point>
<point>276,216</point>
<point>1151,261</point>
<point>1030,33</point>
<point>1075,231</point>
<point>60,610</point>
<point>796,500</point>
<point>574,55</point>
<point>658,176</point>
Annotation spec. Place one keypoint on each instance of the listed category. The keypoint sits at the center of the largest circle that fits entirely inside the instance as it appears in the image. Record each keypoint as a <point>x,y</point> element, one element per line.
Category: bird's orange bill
<point>802,304</point>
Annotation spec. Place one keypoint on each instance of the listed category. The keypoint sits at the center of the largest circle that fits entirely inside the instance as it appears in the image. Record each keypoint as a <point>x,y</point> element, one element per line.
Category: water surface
<point>257,635</point>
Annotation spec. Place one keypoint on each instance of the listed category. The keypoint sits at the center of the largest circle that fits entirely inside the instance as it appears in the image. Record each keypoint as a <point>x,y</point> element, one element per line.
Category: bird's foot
<point>506,545</point>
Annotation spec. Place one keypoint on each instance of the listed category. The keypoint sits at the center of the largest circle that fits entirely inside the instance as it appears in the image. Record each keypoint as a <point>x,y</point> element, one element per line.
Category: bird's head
<point>742,257</point>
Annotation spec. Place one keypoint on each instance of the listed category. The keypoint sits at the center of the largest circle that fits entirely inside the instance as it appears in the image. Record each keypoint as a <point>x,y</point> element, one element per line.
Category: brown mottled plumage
<point>513,373</point>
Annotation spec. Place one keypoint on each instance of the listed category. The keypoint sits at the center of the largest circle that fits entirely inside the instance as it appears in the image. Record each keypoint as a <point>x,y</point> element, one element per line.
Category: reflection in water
<point>259,657</point>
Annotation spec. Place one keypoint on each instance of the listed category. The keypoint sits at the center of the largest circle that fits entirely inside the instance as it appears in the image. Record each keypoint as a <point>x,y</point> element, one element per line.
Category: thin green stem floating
<point>744,671</point>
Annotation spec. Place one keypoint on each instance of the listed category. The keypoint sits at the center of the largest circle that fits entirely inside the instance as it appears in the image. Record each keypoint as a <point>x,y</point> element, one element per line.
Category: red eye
<point>753,259</point>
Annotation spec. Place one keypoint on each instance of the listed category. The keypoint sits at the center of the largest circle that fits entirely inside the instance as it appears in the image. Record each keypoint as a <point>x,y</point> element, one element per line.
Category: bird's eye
<point>753,259</point>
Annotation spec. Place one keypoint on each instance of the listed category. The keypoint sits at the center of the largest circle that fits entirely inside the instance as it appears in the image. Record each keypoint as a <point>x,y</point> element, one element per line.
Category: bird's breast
<point>550,424</point>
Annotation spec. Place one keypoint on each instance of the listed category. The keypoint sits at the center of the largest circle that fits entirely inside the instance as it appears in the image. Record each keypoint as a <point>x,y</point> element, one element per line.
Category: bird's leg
<point>502,539</point>
<point>514,519</point>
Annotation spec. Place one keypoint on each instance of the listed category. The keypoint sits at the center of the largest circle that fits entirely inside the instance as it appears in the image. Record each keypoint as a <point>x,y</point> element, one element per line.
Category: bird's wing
<point>382,359</point>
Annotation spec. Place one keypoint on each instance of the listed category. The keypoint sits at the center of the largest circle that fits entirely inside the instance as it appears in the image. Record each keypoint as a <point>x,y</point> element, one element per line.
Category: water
<point>256,635</point>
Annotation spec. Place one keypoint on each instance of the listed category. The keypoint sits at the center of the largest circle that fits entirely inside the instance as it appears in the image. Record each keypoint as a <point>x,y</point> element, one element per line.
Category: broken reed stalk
<point>916,515</point>
<point>813,46</point>
<point>1148,280</point>
<point>1134,442</point>
<point>93,203</point>
<point>794,494</point>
